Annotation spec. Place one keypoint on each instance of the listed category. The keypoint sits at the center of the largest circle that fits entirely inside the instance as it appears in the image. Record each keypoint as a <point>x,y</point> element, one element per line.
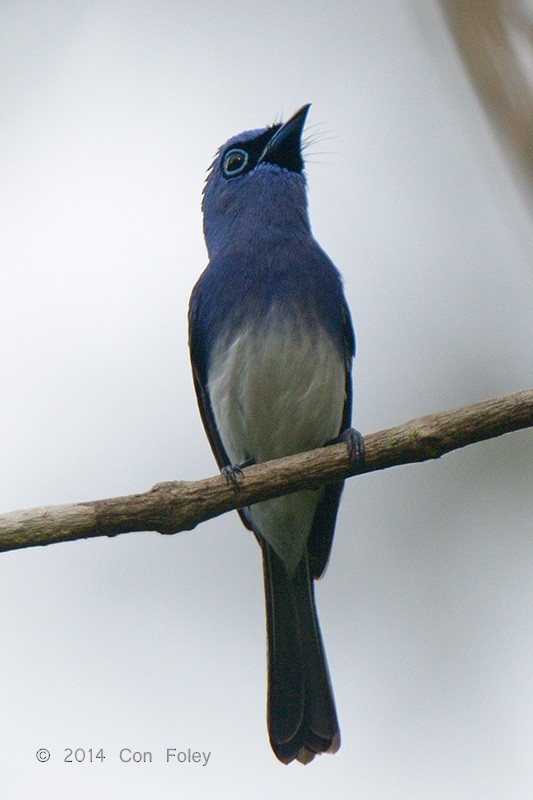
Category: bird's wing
<point>199,371</point>
<point>321,536</point>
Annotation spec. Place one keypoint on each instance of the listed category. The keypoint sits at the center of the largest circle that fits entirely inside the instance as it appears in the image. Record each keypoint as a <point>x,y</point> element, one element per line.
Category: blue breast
<point>296,276</point>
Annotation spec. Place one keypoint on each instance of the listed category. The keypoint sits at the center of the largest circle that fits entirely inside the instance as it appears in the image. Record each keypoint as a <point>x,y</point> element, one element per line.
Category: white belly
<point>276,390</point>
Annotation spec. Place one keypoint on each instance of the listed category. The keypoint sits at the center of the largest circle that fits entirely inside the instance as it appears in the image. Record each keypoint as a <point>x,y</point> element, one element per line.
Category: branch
<point>176,506</point>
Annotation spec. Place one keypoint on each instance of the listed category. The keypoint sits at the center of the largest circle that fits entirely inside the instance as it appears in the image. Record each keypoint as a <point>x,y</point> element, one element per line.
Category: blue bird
<point>271,343</point>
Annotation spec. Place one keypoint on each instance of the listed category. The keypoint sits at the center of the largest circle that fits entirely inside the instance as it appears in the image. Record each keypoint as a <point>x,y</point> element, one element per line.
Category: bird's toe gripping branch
<point>232,472</point>
<point>355,443</point>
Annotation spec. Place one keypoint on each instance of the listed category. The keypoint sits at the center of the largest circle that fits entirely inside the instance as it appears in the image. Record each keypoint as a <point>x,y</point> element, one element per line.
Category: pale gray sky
<point>110,114</point>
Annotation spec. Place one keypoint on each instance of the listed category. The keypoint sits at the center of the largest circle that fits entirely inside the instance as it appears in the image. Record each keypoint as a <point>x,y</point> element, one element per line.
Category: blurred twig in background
<point>494,39</point>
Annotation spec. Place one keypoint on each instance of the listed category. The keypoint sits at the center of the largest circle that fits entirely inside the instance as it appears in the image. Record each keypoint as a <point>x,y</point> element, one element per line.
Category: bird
<point>271,344</point>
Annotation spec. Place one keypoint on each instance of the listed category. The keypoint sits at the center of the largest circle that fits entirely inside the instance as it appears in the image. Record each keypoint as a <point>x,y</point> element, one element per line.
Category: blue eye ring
<point>235,161</point>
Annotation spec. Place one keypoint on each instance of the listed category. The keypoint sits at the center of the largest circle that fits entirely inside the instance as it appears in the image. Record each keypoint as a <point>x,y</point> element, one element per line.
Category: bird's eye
<point>234,162</point>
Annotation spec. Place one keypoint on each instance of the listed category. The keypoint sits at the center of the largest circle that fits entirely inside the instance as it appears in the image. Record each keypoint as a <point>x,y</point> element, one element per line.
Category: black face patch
<point>242,157</point>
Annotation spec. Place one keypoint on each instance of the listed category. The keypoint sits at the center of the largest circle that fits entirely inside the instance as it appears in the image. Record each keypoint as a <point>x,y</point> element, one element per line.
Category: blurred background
<point>419,191</point>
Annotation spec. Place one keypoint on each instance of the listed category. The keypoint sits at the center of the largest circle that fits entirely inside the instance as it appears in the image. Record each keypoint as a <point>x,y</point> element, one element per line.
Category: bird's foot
<point>232,472</point>
<point>355,443</point>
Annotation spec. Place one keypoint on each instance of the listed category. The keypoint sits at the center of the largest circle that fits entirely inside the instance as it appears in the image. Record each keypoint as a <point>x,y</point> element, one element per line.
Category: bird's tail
<point>302,720</point>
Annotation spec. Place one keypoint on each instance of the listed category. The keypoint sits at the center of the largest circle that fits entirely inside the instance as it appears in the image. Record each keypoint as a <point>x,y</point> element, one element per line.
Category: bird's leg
<point>232,472</point>
<point>355,443</point>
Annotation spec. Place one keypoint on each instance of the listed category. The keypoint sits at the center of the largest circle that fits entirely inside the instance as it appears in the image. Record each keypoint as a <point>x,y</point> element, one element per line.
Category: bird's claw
<point>355,443</point>
<point>232,472</point>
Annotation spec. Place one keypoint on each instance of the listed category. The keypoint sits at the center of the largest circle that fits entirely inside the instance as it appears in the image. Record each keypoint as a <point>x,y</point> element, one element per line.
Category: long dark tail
<point>302,720</point>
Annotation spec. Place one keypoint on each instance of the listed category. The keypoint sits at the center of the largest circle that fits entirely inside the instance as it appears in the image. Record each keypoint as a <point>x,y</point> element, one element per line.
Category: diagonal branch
<point>175,506</point>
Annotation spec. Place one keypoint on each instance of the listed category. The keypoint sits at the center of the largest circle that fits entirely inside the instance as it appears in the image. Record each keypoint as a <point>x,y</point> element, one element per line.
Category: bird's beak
<point>285,147</point>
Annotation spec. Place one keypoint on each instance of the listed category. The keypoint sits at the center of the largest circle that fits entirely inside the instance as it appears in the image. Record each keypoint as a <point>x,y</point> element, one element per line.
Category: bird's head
<point>255,189</point>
